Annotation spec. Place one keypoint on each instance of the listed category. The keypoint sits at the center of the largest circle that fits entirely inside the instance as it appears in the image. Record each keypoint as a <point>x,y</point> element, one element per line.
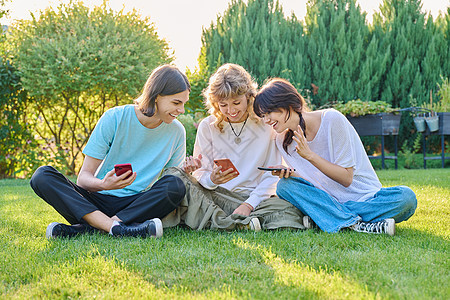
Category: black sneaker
<point>56,229</point>
<point>150,228</point>
<point>386,226</point>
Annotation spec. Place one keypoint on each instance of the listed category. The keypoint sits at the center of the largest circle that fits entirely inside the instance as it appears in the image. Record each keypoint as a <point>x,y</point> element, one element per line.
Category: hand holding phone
<point>280,171</point>
<point>123,168</point>
<point>223,172</point>
<point>226,164</point>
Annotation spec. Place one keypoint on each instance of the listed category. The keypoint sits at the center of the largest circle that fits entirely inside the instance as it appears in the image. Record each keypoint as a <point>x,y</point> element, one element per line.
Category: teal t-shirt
<point>120,138</point>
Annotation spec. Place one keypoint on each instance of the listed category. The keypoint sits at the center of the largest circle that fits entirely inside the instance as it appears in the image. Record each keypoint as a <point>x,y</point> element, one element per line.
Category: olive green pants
<point>212,209</point>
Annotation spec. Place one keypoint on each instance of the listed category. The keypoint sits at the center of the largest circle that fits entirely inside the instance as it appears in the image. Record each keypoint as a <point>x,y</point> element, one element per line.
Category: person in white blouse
<point>334,183</point>
<point>223,199</point>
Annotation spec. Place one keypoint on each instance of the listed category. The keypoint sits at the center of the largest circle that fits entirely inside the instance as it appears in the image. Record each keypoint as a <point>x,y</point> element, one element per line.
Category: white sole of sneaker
<point>255,224</point>
<point>306,222</point>
<point>49,231</point>
<point>391,227</point>
<point>158,226</point>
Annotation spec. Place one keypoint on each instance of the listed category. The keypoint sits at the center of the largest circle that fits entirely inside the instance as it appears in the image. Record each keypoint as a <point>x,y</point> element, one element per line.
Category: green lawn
<point>414,264</point>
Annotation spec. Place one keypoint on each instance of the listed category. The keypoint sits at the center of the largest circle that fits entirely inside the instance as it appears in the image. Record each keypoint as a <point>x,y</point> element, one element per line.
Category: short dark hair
<point>278,94</point>
<point>165,80</point>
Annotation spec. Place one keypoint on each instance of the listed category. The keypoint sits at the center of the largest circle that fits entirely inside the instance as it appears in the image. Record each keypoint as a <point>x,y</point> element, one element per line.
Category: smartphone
<point>273,169</point>
<point>226,164</point>
<point>122,168</point>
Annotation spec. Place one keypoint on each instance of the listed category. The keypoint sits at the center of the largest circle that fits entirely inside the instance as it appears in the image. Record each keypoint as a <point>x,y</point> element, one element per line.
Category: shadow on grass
<point>290,264</point>
<point>209,264</point>
<point>407,265</point>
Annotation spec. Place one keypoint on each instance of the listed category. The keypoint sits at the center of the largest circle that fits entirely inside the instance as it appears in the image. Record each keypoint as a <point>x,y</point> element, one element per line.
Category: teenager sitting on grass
<point>222,199</point>
<point>333,183</point>
<point>147,136</point>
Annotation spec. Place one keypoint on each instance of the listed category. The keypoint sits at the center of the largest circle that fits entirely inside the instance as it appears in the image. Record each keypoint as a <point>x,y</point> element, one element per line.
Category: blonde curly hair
<point>229,81</point>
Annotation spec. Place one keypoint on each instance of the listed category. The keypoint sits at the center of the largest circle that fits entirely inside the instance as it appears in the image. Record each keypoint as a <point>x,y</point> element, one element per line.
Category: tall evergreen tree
<point>443,26</point>
<point>257,36</point>
<point>403,29</point>
<point>337,37</point>
<point>433,63</point>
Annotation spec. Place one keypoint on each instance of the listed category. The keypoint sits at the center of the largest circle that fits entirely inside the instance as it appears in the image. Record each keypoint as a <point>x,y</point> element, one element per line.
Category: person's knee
<point>40,177</point>
<point>174,171</point>
<point>409,198</point>
<point>176,189</point>
<point>282,187</point>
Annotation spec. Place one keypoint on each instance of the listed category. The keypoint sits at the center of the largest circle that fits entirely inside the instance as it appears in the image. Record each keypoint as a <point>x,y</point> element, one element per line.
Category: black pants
<point>74,202</point>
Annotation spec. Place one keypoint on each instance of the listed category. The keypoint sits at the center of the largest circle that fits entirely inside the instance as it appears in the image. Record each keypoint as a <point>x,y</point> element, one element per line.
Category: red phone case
<point>226,164</point>
<point>122,168</point>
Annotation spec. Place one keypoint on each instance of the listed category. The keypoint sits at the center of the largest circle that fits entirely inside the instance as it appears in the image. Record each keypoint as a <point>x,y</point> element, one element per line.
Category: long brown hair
<point>229,81</point>
<point>278,94</point>
<point>165,80</point>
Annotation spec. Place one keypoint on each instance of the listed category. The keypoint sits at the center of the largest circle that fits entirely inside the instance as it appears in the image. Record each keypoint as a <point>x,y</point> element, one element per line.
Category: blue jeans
<point>397,202</point>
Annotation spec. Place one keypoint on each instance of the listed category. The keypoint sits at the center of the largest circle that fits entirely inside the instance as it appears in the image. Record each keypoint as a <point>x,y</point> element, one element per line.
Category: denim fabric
<point>331,216</point>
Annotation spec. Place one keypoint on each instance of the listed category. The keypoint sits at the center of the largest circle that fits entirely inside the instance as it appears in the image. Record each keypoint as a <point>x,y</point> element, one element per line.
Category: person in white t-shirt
<point>330,178</point>
<point>219,198</point>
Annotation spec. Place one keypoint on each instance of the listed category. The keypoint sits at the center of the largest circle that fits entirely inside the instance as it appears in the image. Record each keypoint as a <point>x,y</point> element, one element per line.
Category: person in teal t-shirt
<point>147,136</point>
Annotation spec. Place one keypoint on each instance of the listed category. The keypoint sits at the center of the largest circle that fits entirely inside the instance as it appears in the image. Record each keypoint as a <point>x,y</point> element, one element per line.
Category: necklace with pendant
<point>237,139</point>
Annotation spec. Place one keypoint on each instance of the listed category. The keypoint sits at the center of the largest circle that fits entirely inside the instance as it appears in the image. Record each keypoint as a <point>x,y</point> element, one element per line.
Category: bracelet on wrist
<point>248,205</point>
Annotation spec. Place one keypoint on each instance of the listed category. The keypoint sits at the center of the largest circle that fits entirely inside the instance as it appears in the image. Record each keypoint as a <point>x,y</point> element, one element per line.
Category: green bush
<point>199,81</point>
<point>77,62</point>
<point>444,94</point>
<point>191,130</point>
<point>18,155</point>
<point>443,103</point>
<point>356,108</point>
<point>408,154</point>
<point>190,123</point>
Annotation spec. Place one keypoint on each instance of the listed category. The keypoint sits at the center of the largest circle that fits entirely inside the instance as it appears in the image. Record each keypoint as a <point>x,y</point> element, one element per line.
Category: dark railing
<point>386,124</point>
<point>443,130</point>
<point>382,124</point>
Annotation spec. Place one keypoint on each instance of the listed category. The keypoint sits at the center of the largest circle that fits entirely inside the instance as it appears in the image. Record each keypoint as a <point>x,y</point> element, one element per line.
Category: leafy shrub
<point>18,157</point>
<point>191,130</point>
<point>190,123</point>
<point>77,62</point>
<point>199,81</point>
<point>444,93</point>
<point>409,156</point>
<point>356,108</point>
<point>443,104</point>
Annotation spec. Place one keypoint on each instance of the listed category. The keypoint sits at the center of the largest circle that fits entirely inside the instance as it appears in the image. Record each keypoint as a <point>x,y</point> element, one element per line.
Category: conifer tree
<point>403,30</point>
<point>259,37</point>
<point>337,36</point>
<point>373,67</point>
<point>442,24</point>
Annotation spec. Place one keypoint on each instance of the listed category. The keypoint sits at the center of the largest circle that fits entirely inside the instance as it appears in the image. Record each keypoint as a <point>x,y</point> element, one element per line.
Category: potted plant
<point>441,122</point>
<point>432,120</point>
<point>373,118</point>
<point>440,109</point>
<point>419,121</point>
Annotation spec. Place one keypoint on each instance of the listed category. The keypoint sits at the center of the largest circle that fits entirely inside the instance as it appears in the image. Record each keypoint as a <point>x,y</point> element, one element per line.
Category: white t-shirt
<point>338,142</point>
<point>256,149</point>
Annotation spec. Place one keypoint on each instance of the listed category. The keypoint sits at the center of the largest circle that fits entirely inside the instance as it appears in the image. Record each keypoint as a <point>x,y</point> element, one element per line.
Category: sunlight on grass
<point>322,283</point>
<point>433,211</point>
<point>187,264</point>
<point>93,275</point>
